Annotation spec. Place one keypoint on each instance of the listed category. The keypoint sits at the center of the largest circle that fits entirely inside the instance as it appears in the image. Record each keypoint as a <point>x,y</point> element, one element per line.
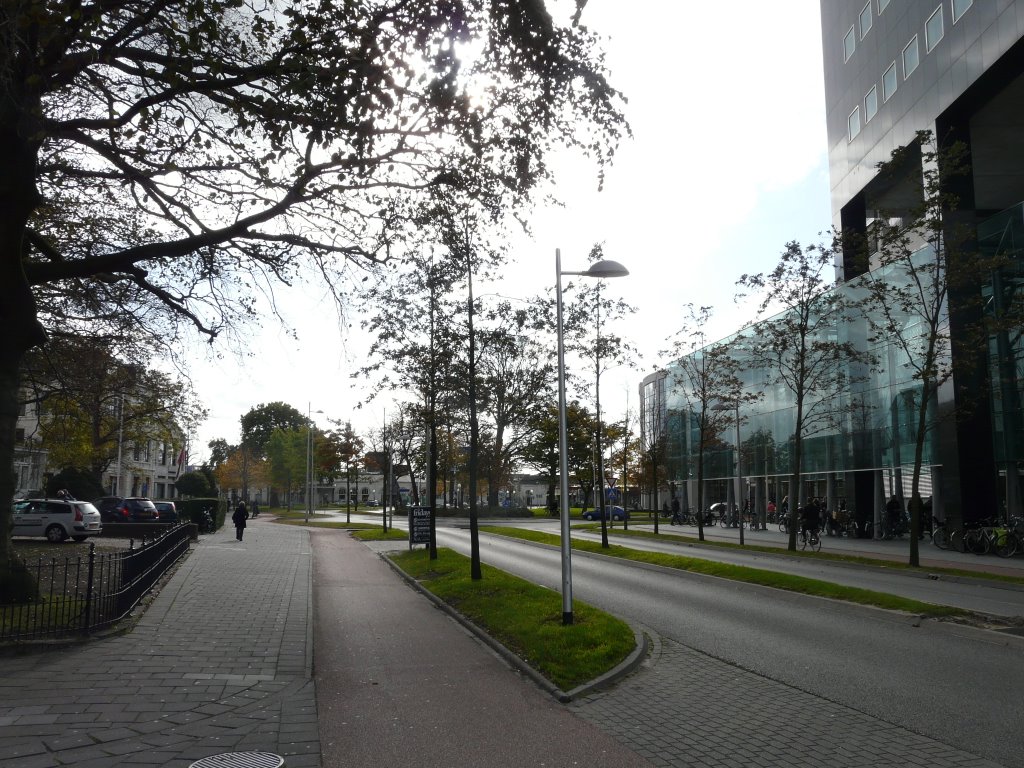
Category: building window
<point>934,30</point>
<point>871,104</point>
<point>853,123</point>
<point>960,8</point>
<point>865,20</point>
<point>889,82</point>
<point>849,44</point>
<point>911,57</point>
<point>19,435</point>
<point>882,5</point>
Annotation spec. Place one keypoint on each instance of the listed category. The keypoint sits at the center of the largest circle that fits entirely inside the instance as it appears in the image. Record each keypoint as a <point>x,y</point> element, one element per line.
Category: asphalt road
<point>956,684</point>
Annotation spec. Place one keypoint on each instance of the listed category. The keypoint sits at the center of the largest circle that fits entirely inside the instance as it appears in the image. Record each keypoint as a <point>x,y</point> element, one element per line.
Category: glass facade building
<point>857,453</point>
<point>954,68</point>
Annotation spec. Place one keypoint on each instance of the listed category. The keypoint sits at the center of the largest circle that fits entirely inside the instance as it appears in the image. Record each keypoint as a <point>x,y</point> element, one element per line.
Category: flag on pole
<point>182,458</point>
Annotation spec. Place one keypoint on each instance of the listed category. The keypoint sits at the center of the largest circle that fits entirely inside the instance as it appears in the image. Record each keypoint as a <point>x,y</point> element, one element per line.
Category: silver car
<point>56,519</point>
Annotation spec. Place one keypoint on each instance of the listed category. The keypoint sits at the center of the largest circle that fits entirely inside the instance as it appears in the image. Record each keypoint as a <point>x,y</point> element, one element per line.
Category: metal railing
<point>78,595</point>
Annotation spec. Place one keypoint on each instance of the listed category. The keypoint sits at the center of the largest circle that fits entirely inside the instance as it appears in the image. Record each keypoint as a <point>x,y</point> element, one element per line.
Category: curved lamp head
<point>606,268</point>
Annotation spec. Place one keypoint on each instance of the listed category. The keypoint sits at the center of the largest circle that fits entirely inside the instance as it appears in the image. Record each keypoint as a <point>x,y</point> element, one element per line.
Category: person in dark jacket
<point>677,516</point>
<point>810,518</point>
<point>238,518</point>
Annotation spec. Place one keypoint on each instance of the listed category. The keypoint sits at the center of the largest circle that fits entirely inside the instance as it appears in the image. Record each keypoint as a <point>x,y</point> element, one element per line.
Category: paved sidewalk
<point>221,661</point>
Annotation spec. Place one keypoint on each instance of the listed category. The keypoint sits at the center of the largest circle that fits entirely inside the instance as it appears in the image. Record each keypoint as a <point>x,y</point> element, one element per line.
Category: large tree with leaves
<point>516,381</point>
<point>183,155</point>
<point>287,455</point>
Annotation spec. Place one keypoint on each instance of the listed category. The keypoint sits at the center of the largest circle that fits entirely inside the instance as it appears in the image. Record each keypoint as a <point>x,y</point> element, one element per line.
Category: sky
<point>727,163</point>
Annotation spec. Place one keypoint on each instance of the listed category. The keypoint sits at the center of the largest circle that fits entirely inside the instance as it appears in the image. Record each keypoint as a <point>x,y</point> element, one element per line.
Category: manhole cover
<point>240,760</point>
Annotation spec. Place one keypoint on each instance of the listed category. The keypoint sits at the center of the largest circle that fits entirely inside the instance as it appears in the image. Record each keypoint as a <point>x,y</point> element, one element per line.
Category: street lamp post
<point>120,440</point>
<point>309,460</point>
<point>598,269</point>
<point>740,493</point>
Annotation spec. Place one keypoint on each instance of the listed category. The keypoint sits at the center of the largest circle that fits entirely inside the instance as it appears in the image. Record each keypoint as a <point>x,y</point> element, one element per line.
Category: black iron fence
<point>78,595</point>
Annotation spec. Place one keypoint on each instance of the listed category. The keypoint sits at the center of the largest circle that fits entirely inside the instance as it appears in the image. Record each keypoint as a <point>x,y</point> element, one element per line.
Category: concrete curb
<point>627,666</point>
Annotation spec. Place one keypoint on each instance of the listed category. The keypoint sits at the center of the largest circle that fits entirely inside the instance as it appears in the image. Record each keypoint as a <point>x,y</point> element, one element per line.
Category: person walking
<point>255,509</point>
<point>239,518</point>
<point>676,516</point>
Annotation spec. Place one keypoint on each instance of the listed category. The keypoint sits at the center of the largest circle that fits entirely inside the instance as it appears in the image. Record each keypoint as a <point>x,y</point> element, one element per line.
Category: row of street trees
<point>921,291</point>
<point>273,453</point>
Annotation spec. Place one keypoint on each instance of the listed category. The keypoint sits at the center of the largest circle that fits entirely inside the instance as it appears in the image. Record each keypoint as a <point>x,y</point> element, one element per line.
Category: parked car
<point>133,509</point>
<point>106,505</point>
<point>56,519</point>
<point>617,513</point>
<point>168,512</point>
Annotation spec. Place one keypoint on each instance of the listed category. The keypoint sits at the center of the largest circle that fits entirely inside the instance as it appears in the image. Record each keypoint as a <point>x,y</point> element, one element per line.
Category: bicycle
<point>1009,541</point>
<point>729,520</point>
<point>940,536</point>
<point>894,528</point>
<point>811,538</point>
<point>972,538</point>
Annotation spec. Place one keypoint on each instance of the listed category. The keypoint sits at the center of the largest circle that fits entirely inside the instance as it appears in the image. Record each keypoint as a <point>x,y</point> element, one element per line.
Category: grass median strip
<point>742,573</point>
<point>376,533</point>
<point>525,618</point>
<point>833,556</point>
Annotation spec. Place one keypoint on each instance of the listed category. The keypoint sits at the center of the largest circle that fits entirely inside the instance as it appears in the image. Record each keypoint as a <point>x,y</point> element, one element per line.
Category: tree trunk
<point>700,493</point>
<point>474,445</point>
<point>915,483</point>
<point>794,489</point>
<point>654,491</point>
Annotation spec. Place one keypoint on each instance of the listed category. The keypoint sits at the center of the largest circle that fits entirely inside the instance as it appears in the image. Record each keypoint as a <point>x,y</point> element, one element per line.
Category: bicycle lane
<point>400,683</point>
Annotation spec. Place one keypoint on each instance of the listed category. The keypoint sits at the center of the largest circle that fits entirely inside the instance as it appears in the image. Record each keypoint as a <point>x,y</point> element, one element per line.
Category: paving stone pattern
<point>220,662</point>
<point>685,708</point>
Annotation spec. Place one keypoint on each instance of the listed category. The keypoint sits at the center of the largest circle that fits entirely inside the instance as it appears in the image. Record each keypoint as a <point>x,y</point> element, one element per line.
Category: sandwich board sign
<point>419,525</point>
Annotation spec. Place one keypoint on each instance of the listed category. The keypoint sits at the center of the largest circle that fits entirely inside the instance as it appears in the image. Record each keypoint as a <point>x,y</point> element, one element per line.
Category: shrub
<point>80,483</point>
<point>192,510</point>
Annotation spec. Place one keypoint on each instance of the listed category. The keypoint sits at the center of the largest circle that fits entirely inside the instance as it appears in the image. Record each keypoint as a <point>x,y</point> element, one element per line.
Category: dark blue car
<point>617,513</point>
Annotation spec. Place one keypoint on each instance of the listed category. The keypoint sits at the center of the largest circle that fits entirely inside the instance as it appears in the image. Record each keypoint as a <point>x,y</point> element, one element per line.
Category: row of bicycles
<point>690,518</point>
<point>982,537</point>
<point>725,519</point>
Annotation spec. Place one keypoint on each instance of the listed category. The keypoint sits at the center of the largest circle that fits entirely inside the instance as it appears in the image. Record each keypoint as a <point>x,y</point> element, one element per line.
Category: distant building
<point>147,468</point>
<point>29,453</point>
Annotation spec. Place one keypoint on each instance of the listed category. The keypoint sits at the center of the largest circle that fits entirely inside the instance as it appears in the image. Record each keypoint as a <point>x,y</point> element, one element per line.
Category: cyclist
<point>810,518</point>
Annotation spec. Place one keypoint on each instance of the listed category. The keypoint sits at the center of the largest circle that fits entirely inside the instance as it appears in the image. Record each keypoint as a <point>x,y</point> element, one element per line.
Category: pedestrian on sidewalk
<point>676,516</point>
<point>255,508</point>
<point>239,518</point>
